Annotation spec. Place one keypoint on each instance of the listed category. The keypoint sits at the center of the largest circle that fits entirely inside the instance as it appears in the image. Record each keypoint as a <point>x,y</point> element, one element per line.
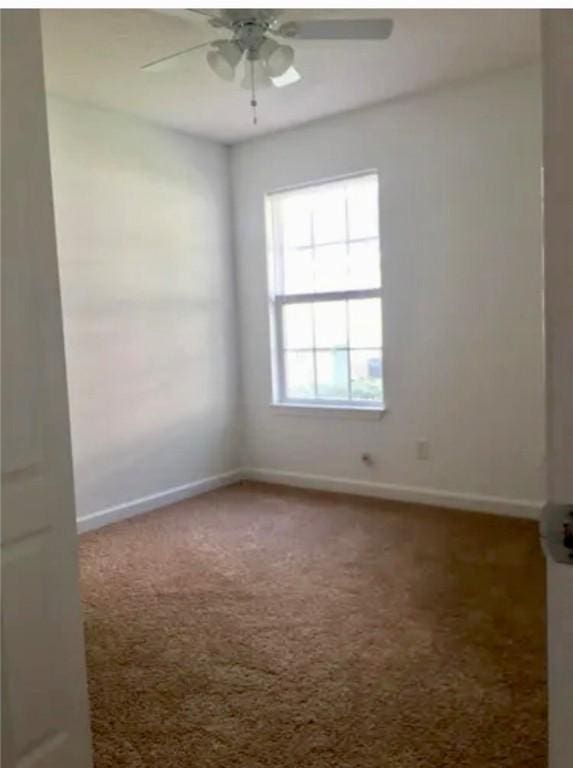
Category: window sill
<point>329,411</point>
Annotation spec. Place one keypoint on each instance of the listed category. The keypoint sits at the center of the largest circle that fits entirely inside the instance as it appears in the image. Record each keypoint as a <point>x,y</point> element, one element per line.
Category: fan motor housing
<point>249,34</point>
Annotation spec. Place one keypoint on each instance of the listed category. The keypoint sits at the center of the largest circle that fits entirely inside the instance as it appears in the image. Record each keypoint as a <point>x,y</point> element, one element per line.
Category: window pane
<point>366,374</point>
<point>295,213</point>
<point>332,374</point>
<point>365,316</point>
<point>329,219</point>
<point>330,268</point>
<point>330,324</point>
<point>364,264</point>
<point>299,374</point>
<point>297,326</point>
<point>298,271</point>
<point>363,208</point>
<point>326,239</point>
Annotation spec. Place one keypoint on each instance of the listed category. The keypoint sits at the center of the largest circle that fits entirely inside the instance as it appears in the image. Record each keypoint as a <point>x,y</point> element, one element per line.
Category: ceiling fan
<point>267,61</point>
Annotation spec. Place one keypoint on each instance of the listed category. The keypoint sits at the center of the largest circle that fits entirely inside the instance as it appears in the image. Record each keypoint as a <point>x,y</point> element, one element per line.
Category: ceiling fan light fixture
<point>231,51</point>
<point>266,49</point>
<point>224,58</point>
<point>220,65</point>
<point>279,60</point>
<point>256,77</point>
<point>267,60</point>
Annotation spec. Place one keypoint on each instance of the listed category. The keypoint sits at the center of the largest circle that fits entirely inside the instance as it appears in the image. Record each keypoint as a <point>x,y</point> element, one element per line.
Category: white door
<point>557,29</point>
<point>44,700</point>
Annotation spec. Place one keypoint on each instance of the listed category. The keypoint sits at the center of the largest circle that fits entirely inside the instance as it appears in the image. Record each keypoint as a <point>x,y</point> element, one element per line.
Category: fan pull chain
<point>253,93</point>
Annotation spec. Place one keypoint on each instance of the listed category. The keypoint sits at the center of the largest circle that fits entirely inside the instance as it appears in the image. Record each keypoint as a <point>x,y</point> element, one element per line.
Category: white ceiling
<point>95,56</point>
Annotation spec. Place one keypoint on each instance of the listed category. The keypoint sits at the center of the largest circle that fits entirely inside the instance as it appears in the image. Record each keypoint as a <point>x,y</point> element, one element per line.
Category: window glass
<point>332,374</point>
<point>329,216</point>
<point>366,374</point>
<point>330,268</point>
<point>330,324</point>
<point>299,375</point>
<point>298,271</point>
<point>295,224</point>
<point>363,209</point>
<point>297,325</point>
<point>365,321</point>
<point>327,298</point>
<point>364,264</point>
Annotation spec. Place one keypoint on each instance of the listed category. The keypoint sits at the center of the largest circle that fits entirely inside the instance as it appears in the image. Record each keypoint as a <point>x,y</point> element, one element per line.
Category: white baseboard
<point>471,502</point>
<point>466,501</point>
<point>147,503</point>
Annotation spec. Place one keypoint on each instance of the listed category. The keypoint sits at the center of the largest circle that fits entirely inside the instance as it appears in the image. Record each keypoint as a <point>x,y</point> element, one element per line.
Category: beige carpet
<point>257,626</point>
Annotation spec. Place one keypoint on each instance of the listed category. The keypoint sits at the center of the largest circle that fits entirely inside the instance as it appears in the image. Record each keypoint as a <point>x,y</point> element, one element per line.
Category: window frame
<point>278,300</point>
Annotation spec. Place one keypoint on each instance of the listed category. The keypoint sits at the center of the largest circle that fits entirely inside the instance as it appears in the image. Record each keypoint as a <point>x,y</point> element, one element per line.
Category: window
<point>326,294</point>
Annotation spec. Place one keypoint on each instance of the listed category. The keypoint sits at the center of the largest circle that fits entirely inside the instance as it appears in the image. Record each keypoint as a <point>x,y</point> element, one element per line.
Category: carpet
<point>264,626</point>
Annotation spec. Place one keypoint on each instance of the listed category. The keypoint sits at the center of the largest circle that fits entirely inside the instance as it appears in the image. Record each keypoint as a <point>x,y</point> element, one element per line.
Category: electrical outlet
<point>422,450</point>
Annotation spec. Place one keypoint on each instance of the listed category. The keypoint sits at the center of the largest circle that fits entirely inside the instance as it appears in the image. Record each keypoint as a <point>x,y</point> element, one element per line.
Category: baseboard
<point>470,502</point>
<point>147,503</point>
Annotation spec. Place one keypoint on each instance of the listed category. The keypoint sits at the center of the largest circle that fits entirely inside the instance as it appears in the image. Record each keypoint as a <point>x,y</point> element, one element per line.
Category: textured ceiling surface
<point>95,56</point>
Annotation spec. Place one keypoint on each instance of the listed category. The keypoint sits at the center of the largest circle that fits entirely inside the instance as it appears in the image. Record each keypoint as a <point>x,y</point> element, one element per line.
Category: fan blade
<point>173,61</point>
<point>212,13</point>
<point>186,14</point>
<point>290,77</point>
<point>338,29</point>
<point>217,18</point>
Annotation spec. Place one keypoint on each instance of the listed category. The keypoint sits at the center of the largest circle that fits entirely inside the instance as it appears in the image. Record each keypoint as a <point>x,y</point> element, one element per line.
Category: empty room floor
<point>265,626</point>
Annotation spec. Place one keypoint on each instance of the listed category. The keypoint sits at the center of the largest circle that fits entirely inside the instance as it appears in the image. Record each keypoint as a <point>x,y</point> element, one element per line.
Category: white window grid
<point>279,299</point>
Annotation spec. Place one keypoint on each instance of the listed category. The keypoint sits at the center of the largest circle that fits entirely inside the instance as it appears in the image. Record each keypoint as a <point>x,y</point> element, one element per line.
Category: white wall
<point>460,233</point>
<point>142,220</point>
